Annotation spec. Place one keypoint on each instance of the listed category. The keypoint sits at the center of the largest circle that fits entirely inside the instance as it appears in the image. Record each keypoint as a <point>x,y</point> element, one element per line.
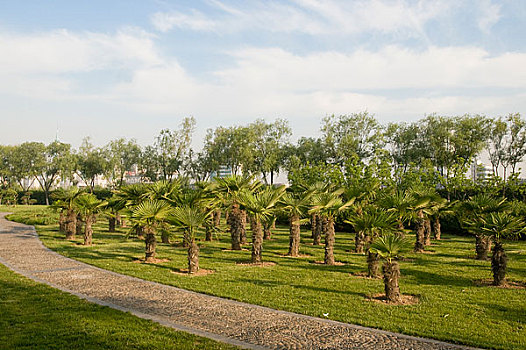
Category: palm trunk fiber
<point>62,222</point>
<point>482,247</point>
<point>427,232</point>
<point>499,264</point>
<point>391,273</point>
<point>208,233</point>
<point>373,262</point>
<point>139,231</point>
<point>71,224</point>
<point>235,223</point>
<point>267,228</point>
<point>437,231</point>
<point>420,228</point>
<point>88,230</point>
<point>359,242</point>
<point>313,226</point>
<point>165,237</point>
<point>118,220</point>
<point>112,224</point>
<point>294,236</point>
<point>217,218</point>
<point>79,226</point>
<point>193,257</point>
<point>243,228</point>
<point>150,245</point>
<point>400,230</point>
<point>257,242</point>
<point>329,240</point>
<point>319,230</point>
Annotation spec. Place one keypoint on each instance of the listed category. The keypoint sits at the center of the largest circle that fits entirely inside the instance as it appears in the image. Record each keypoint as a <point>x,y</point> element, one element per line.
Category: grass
<point>453,306</point>
<point>35,316</point>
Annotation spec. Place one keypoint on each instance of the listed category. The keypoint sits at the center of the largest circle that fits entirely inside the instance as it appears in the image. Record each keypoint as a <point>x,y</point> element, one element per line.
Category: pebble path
<point>245,325</point>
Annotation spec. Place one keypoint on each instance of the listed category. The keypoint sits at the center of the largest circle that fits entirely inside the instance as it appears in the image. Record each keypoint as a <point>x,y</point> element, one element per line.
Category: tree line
<point>355,147</point>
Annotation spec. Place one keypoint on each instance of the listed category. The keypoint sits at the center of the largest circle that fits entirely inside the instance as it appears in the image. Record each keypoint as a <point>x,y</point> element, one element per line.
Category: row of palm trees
<point>379,218</point>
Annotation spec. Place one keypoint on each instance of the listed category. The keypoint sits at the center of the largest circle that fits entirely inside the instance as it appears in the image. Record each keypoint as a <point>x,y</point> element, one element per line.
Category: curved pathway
<point>232,322</point>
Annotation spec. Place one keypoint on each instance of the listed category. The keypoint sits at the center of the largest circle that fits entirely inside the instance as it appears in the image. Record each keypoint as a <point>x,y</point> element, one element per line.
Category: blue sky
<point>109,69</point>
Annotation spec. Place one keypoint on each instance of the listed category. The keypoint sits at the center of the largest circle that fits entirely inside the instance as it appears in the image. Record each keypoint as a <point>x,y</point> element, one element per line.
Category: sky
<point>129,68</point>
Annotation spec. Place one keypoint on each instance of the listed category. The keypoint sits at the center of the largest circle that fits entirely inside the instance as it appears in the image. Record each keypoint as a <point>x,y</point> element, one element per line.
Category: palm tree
<point>420,211</point>
<point>87,206</point>
<point>67,198</point>
<point>371,223</point>
<point>296,206</point>
<point>474,210</point>
<point>113,207</point>
<point>400,203</point>
<point>329,205</point>
<point>389,247</point>
<point>497,226</point>
<point>260,205</point>
<point>133,195</point>
<point>151,215</point>
<point>229,189</point>
<point>364,195</point>
<point>189,218</point>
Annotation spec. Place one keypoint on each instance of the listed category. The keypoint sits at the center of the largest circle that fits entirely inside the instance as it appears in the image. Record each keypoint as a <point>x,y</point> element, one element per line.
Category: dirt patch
<point>363,274</point>
<point>155,261</point>
<point>320,262</point>
<point>487,282</point>
<point>426,252</point>
<point>200,272</point>
<point>297,256</point>
<point>233,250</point>
<point>261,264</point>
<point>406,299</point>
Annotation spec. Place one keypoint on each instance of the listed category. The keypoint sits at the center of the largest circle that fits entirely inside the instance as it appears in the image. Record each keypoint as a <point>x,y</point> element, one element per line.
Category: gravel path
<point>232,322</point>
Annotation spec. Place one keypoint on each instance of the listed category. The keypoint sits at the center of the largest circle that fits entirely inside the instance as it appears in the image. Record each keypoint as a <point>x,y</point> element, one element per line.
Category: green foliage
<point>390,246</point>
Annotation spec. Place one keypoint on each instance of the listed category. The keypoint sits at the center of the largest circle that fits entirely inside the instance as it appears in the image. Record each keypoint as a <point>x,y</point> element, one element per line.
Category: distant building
<point>224,171</point>
<point>479,171</point>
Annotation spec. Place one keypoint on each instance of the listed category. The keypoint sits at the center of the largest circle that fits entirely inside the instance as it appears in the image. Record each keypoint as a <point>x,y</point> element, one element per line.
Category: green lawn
<point>452,307</point>
<point>35,316</point>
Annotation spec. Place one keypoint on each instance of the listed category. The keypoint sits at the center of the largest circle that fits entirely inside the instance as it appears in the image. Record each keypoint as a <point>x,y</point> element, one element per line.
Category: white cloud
<point>314,17</point>
<point>489,15</point>
<point>195,20</point>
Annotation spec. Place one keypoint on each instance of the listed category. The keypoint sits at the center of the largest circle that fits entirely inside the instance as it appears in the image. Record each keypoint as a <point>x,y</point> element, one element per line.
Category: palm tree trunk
<point>294,236</point>
<point>400,232</point>
<point>112,224</point>
<point>257,241</point>
<point>165,237</point>
<point>313,225</point>
<point>79,225</point>
<point>217,218</point>
<point>71,224</point>
<point>235,222</point>
<point>359,242</point>
<point>139,231</point>
<point>88,230</point>
<point>499,264</point>
<point>193,257</point>
<point>437,231</point>
<point>391,271</point>
<point>150,244</point>
<point>186,239</point>
<point>320,222</point>
<point>329,240</point>
<point>372,264</point>
<point>62,222</point>
<point>427,232</point>
<point>118,220</point>
<point>420,228</point>
<point>208,233</point>
<point>267,233</point>
<point>482,247</point>
<point>243,232</point>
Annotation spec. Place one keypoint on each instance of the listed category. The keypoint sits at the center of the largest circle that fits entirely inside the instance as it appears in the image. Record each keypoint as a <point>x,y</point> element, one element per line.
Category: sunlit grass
<point>452,307</point>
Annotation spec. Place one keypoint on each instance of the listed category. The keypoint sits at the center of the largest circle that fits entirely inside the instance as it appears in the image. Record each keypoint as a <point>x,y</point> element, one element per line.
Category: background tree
<point>121,156</point>
<point>90,163</point>
<point>56,161</point>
